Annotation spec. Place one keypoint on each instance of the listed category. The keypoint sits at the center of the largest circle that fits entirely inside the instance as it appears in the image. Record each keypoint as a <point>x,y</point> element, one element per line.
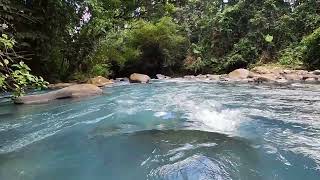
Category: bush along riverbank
<point>117,38</point>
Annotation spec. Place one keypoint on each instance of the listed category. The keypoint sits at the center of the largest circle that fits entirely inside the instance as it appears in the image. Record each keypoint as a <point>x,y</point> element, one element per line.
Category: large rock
<point>239,74</point>
<point>74,91</point>
<point>139,78</point>
<point>100,81</point>
<point>83,90</point>
<point>60,85</point>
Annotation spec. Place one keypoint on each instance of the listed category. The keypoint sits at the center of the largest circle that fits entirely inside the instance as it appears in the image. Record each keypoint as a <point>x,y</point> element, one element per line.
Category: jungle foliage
<point>14,76</point>
<point>75,39</point>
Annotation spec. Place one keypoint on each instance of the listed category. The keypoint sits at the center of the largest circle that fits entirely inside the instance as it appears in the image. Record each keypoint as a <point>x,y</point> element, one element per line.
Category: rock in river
<point>74,91</point>
<point>100,81</point>
<point>239,74</point>
<point>139,78</point>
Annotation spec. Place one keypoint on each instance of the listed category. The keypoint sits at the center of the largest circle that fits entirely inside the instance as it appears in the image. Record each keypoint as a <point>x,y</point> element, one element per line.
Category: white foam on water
<point>209,115</point>
<point>192,107</point>
<point>226,121</point>
<point>194,167</point>
<point>98,119</point>
<point>160,114</point>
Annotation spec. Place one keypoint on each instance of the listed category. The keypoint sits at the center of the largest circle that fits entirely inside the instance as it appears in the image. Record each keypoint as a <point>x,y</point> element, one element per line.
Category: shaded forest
<point>66,40</point>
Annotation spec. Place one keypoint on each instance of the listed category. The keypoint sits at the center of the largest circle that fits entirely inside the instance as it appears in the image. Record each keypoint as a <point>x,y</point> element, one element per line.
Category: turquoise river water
<point>171,130</point>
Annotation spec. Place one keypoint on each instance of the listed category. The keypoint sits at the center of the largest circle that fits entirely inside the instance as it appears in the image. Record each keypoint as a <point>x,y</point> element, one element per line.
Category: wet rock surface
<point>74,91</point>
<point>139,78</point>
<point>100,81</point>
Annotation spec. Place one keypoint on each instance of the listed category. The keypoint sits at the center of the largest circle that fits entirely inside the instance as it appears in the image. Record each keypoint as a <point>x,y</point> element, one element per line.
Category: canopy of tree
<point>73,39</point>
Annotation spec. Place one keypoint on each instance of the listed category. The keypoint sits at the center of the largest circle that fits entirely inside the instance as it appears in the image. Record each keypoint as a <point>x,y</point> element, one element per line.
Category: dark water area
<point>166,130</point>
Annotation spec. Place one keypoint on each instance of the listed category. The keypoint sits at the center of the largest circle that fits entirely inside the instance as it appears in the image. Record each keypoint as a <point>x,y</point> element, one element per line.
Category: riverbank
<point>271,75</point>
<point>259,74</point>
<point>263,75</point>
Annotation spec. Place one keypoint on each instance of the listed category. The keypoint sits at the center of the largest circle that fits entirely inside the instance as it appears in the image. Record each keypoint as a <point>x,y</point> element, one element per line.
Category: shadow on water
<point>181,154</point>
<point>152,154</point>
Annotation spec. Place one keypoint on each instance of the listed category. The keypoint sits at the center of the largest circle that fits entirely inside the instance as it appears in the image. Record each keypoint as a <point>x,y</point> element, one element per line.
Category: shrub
<point>243,54</point>
<point>311,50</point>
<point>15,77</point>
<point>292,57</point>
<point>101,70</point>
<point>304,53</point>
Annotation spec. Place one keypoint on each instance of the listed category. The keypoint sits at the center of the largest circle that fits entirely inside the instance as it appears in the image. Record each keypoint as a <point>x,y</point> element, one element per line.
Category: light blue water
<point>166,130</point>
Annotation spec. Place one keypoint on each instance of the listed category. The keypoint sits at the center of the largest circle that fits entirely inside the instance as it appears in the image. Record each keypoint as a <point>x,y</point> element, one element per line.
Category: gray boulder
<point>74,91</point>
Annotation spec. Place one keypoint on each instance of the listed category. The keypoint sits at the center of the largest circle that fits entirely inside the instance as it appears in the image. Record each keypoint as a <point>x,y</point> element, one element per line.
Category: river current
<point>172,130</point>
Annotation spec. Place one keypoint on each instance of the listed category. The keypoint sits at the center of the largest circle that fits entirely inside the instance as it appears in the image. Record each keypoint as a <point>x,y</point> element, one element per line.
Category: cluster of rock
<point>97,81</point>
<point>74,90</point>
<point>67,90</point>
<point>263,75</point>
<point>92,87</point>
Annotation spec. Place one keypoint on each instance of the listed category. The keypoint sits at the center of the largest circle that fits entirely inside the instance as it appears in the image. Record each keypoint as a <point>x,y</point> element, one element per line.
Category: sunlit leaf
<point>6,61</point>
<point>269,38</point>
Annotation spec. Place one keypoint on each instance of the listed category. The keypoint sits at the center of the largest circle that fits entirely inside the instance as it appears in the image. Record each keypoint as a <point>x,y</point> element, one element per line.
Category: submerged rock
<point>139,78</point>
<point>74,91</point>
<point>100,81</point>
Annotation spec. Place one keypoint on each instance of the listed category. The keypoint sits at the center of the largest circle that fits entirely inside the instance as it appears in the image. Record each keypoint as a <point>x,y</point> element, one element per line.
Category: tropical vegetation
<point>64,40</point>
